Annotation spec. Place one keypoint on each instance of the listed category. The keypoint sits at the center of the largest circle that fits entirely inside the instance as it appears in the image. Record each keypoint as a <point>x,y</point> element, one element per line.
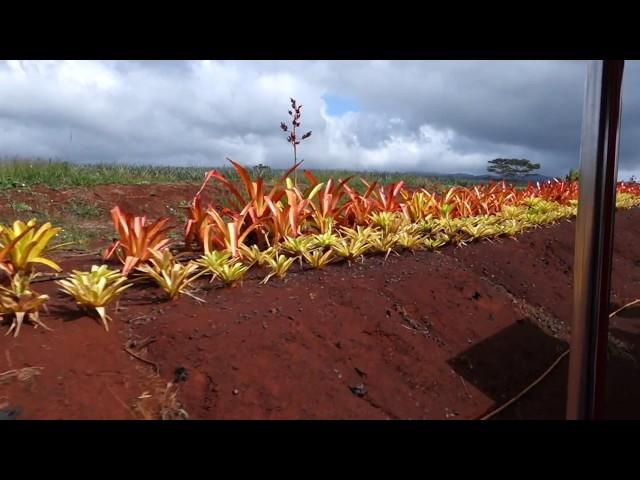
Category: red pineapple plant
<point>554,191</point>
<point>287,219</point>
<point>197,216</point>
<point>495,196</point>
<point>415,205</point>
<point>631,187</point>
<point>221,234</point>
<point>252,201</point>
<point>197,220</point>
<point>358,207</point>
<point>447,205</point>
<point>386,198</point>
<point>327,210</point>
<point>137,239</point>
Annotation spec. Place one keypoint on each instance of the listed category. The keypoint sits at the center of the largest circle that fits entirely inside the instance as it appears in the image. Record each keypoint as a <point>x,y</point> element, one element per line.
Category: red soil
<point>56,205</point>
<point>446,335</point>
<point>150,200</point>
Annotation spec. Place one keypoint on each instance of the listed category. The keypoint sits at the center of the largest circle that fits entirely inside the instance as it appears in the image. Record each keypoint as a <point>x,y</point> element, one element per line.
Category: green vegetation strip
<point>23,173</point>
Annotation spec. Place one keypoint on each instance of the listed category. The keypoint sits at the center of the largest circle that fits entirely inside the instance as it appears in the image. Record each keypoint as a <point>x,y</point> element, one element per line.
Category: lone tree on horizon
<point>512,167</point>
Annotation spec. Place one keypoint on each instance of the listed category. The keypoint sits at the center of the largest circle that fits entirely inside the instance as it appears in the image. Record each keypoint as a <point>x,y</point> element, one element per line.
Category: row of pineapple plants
<point>315,225</point>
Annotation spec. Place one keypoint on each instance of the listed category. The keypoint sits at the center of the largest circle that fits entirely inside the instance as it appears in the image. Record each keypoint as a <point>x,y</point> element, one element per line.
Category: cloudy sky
<point>429,116</point>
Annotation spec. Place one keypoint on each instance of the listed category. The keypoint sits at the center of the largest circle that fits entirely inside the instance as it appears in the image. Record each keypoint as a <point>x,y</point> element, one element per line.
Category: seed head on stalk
<point>292,138</point>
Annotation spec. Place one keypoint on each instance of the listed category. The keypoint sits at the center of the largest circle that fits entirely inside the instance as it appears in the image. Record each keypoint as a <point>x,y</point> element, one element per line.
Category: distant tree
<point>260,169</point>
<point>573,175</point>
<point>512,167</point>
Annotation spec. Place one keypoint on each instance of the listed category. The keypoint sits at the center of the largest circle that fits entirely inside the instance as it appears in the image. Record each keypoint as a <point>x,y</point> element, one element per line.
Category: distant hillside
<point>484,178</point>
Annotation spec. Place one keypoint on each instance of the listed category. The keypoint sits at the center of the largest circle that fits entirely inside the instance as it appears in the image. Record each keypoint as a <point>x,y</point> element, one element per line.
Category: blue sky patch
<point>337,105</point>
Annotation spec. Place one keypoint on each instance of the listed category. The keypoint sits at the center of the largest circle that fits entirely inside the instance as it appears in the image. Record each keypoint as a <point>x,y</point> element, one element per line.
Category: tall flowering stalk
<point>292,138</point>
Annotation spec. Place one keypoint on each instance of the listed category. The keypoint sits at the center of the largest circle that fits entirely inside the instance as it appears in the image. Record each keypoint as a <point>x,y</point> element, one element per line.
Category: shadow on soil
<point>505,364</point>
<point>68,314</point>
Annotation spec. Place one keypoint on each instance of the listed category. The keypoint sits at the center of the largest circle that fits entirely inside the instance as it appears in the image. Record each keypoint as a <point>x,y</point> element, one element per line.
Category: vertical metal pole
<point>594,239</point>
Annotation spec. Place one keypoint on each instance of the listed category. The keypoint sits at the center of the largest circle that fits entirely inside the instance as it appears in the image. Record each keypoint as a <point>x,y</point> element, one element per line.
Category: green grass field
<point>20,173</point>
<point>57,174</point>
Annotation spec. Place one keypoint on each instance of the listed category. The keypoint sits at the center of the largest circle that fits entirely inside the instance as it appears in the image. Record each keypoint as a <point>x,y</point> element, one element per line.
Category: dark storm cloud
<point>535,105</point>
<point>409,115</point>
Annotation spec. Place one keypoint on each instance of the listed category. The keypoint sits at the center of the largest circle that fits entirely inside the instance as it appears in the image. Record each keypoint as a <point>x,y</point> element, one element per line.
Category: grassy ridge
<point>57,174</point>
<point>26,173</point>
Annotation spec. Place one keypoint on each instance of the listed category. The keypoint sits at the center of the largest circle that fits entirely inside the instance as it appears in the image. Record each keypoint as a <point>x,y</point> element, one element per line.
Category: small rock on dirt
<point>180,375</point>
<point>10,413</point>
<point>358,390</point>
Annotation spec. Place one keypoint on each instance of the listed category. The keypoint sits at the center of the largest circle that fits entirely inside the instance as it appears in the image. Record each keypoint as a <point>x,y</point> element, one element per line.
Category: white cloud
<point>429,149</point>
<point>429,116</point>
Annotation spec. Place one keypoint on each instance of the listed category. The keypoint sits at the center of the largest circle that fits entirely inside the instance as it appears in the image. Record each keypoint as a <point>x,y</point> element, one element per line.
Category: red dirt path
<point>445,335</point>
<point>150,200</point>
